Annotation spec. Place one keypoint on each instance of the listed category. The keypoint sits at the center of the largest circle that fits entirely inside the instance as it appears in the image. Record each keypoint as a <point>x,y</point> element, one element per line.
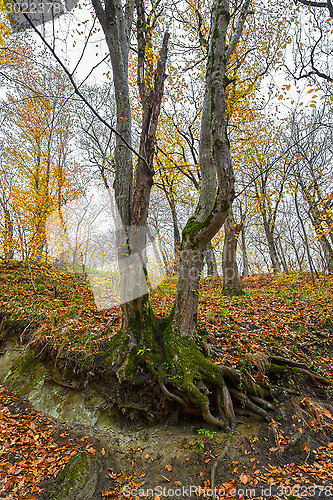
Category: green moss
<point>185,359</point>
<point>229,291</point>
<point>13,325</point>
<point>193,226</point>
<point>143,326</point>
<point>216,33</point>
<point>26,363</point>
<point>73,476</point>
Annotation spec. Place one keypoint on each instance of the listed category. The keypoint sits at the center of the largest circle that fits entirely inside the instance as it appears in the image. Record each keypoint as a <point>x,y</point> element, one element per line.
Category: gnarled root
<point>194,382</point>
<point>208,417</point>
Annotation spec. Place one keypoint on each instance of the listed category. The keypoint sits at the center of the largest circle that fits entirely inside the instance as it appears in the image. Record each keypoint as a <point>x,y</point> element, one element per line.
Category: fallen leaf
<point>244,478</point>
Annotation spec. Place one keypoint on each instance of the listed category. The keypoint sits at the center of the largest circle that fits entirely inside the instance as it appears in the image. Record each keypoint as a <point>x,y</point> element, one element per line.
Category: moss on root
<point>185,375</point>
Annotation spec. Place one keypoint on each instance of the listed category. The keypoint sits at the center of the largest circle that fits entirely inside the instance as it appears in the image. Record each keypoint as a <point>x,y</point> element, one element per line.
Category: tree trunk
<point>323,240</point>
<point>176,232</point>
<point>231,284</point>
<point>305,239</point>
<point>217,181</point>
<point>8,237</point>
<point>211,261</point>
<point>282,257</point>
<point>269,231</point>
<point>246,269</point>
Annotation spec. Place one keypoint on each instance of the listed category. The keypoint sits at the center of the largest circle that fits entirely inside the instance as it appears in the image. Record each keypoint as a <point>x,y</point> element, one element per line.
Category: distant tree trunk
<point>269,231</point>
<point>176,233</point>
<point>323,240</point>
<point>282,256</point>
<point>8,237</point>
<point>305,239</point>
<point>211,261</point>
<point>231,284</point>
<point>246,269</point>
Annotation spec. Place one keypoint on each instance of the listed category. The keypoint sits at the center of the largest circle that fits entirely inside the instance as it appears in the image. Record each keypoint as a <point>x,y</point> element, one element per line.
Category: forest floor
<point>291,457</point>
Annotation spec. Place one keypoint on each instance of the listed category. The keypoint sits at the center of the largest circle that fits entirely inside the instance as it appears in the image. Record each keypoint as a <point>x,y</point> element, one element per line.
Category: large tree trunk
<point>217,182</point>
<point>231,284</point>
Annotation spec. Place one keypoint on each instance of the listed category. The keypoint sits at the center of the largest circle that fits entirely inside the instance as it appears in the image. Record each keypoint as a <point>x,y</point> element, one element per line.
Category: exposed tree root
<point>66,384</point>
<point>217,460</point>
<point>291,370</point>
<point>249,404</point>
<point>191,380</point>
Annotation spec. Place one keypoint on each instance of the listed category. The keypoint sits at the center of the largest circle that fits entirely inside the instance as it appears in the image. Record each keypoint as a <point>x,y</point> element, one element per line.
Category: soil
<point>168,456</point>
<point>128,456</point>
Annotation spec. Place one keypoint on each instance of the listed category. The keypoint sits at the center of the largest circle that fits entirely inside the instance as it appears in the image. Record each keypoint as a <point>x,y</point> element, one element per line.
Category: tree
<point>36,140</point>
<point>231,284</point>
<point>312,44</point>
<point>166,348</point>
<point>312,148</point>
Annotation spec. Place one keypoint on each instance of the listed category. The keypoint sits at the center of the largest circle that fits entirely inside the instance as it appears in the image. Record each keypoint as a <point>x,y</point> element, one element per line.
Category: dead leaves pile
<point>28,452</point>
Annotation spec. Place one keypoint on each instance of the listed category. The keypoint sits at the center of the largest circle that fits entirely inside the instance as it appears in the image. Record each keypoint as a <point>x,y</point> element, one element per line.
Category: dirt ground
<point>171,459</point>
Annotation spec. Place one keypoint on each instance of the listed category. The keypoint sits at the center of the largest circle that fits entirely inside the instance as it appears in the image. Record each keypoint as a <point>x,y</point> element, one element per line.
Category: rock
<point>78,481</point>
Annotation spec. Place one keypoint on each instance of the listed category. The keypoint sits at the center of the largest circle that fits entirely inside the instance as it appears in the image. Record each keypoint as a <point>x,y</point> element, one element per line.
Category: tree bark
<point>211,261</point>
<point>246,268</point>
<point>166,347</point>
<point>8,235</point>
<point>217,181</point>
<point>269,231</point>
<point>231,284</point>
<point>322,238</point>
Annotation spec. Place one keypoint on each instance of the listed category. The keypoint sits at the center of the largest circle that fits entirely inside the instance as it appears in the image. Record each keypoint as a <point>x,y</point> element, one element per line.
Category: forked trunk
<point>217,177</point>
